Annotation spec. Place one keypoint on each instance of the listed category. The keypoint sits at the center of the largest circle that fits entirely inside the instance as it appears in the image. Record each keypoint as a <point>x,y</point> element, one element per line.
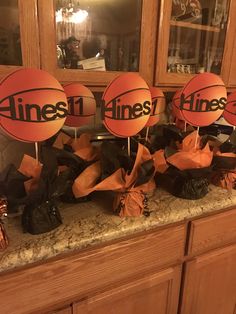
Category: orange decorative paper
<point>119,181</point>
<point>30,167</point>
<point>190,157</point>
<point>130,203</point>
<point>231,155</point>
<point>83,148</point>
<point>224,179</point>
<point>86,181</point>
<point>160,161</point>
<point>61,140</point>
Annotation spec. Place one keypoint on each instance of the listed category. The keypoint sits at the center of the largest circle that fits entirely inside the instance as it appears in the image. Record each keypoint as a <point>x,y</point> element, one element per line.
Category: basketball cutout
<point>175,106</point>
<point>33,105</point>
<point>126,105</point>
<point>203,99</point>
<point>230,109</point>
<point>158,106</point>
<point>81,105</point>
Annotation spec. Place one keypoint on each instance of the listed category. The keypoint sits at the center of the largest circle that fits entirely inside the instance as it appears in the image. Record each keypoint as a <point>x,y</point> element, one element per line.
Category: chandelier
<point>71,13</point>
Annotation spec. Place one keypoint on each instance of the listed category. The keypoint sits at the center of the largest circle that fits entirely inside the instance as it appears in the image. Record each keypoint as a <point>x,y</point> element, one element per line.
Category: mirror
<point>197,36</point>
<point>98,35</point>
<point>10,43</point>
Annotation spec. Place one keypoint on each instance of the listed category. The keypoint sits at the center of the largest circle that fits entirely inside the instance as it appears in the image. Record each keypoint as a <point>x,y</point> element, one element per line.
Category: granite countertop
<point>93,222</point>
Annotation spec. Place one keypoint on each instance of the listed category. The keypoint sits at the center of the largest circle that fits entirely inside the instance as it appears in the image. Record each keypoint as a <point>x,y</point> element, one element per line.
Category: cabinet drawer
<point>156,293</point>
<point>64,280</point>
<point>212,232</point>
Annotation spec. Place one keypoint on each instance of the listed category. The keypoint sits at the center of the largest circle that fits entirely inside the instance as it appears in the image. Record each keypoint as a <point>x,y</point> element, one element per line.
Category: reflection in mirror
<point>10,44</point>
<point>197,36</point>
<point>98,35</point>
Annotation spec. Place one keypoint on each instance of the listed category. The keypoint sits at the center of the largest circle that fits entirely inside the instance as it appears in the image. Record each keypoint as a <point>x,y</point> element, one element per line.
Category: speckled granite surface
<point>93,222</point>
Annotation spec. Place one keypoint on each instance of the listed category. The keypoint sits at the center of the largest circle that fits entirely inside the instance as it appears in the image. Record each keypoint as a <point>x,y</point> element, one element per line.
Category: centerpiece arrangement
<point>34,107</point>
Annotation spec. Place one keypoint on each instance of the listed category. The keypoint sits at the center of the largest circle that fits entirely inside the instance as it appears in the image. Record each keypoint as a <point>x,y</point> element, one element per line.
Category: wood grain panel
<point>67,310</point>
<point>158,293</point>
<point>63,280</point>
<point>29,33</point>
<point>228,63</point>
<point>29,36</point>
<point>150,13</point>
<point>212,232</point>
<point>210,283</point>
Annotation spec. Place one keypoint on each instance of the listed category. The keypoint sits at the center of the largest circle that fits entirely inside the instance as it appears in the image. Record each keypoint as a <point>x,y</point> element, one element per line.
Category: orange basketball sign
<point>203,99</point>
<point>126,105</point>
<point>175,106</point>
<point>158,106</point>
<point>33,105</point>
<point>230,109</point>
<point>81,105</point>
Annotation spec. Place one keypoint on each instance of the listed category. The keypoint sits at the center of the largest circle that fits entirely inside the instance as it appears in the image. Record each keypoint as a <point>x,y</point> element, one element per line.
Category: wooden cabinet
<point>19,37</point>
<point>138,274</point>
<point>212,232</point>
<point>66,310</point>
<point>158,293</point>
<point>193,38</point>
<point>209,279</point>
<point>210,283</point>
<point>231,68</point>
<point>119,38</point>
<point>167,43</point>
<point>81,276</point>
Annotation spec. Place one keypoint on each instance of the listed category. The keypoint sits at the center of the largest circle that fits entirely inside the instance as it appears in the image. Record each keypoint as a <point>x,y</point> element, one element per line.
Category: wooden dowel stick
<point>196,137</point>
<point>129,146</point>
<point>185,126</point>
<point>36,152</point>
<point>147,131</point>
<point>75,133</point>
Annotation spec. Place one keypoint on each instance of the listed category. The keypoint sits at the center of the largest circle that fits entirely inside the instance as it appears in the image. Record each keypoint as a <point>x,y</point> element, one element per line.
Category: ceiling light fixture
<point>71,14</point>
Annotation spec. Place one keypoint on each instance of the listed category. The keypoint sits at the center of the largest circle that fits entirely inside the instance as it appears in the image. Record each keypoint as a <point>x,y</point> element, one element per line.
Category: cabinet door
<point>94,41</point>
<point>19,37</point>
<point>194,36</point>
<point>210,283</point>
<point>156,294</point>
<point>230,67</point>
